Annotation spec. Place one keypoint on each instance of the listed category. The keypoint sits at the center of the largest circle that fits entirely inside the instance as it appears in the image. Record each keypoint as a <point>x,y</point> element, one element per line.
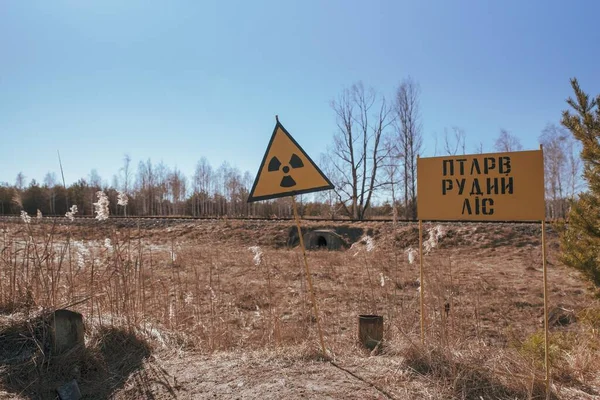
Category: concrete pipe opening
<point>323,239</point>
<point>321,242</point>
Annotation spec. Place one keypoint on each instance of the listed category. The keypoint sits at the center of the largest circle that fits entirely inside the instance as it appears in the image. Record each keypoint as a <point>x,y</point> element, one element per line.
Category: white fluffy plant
<point>25,217</point>
<point>122,201</point>
<point>257,251</point>
<point>435,234</point>
<point>71,213</point>
<point>101,207</point>
<point>259,261</point>
<point>411,254</point>
<point>366,243</point>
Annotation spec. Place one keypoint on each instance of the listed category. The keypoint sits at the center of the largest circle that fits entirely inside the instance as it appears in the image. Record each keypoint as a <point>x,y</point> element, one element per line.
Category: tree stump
<point>370,330</point>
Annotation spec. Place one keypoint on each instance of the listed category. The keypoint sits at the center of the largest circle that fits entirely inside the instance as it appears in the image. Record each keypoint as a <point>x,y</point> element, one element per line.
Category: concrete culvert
<point>323,239</point>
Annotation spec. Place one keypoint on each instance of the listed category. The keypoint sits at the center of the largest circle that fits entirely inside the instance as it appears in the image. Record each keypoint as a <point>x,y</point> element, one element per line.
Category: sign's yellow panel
<point>286,170</point>
<point>482,187</point>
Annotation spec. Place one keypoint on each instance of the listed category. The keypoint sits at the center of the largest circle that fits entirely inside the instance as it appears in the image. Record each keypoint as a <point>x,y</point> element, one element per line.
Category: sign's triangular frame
<point>252,198</point>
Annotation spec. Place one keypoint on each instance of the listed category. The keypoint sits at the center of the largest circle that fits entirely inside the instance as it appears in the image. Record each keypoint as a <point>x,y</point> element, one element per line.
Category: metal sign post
<point>546,339</point>
<point>286,170</point>
<point>309,278</point>
<point>484,187</point>
<point>421,283</point>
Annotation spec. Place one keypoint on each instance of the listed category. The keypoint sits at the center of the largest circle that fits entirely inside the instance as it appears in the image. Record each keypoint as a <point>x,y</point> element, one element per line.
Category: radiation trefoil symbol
<point>286,170</point>
<point>287,180</point>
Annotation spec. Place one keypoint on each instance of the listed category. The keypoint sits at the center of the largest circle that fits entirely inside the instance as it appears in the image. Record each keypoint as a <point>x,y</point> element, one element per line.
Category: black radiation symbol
<point>287,180</point>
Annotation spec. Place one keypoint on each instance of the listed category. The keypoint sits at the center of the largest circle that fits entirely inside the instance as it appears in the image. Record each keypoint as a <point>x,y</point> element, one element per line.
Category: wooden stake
<point>422,283</point>
<point>309,279</point>
<point>546,341</point>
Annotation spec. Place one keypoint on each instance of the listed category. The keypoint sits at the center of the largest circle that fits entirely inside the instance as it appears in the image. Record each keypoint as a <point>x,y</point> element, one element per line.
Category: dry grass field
<point>180,309</point>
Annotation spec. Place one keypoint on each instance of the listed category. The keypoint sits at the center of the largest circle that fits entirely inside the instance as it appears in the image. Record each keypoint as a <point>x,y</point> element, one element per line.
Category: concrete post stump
<point>66,331</point>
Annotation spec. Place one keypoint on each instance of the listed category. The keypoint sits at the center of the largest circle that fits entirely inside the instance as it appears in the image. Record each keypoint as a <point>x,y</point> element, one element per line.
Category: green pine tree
<point>581,237</point>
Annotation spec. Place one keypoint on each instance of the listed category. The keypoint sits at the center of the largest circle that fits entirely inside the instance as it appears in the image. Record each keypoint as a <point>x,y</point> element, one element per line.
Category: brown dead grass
<point>211,303</point>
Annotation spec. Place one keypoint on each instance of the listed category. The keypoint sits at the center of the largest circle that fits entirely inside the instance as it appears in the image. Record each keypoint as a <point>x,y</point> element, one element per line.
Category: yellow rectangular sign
<point>482,187</point>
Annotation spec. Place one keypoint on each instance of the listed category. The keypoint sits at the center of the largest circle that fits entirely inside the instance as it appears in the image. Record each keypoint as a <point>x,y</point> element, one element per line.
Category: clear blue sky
<point>175,81</point>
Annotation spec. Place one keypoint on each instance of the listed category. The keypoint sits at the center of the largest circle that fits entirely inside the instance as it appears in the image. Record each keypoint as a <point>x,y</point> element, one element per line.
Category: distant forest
<point>157,190</point>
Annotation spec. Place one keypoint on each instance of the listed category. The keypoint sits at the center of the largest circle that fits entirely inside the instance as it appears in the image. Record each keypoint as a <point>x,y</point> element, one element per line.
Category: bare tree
<point>562,168</point>
<point>454,144</point>
<point>176,187</point>
<point>233,191</point>
<point>507,142</point>
<point>50,183</point>
<point>127,173</point>
<point>202,181</point>
<point>20,181</point>
<point>145,183</point>
<point>479,148</point>
<point>95,180</point>
<point>391,168</point>
<point>247,181</point>
<point>221,178</point>
<point>574,168</point>
<point>95,184</point>
<point>554,138</point>
<point>362,118</point>
<point>328,196</point>
<point>410,140</point>
<point>162,187</point>
<point>50,179</point>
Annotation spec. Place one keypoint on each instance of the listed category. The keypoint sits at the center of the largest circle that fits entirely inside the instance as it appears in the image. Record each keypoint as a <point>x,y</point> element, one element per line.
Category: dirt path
<point>272,376</point>
<point>259,375</point>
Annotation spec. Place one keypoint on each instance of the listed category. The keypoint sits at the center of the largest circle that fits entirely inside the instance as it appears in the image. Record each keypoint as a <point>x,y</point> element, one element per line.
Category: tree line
<point>158,190</point>
<point>372,161</point>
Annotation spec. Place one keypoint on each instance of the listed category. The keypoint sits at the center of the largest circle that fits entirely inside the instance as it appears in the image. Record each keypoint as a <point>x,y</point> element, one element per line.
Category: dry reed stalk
<point>451,298</point>
<point>13,286</point>
<point>437,289</point>
<point>141,280</point>
<point>152,286</point>
<point>477,321</point>
<point>67,248</point>
<point>197,295</point>
<point>92,293</point>
<point>2,255</point>
<point>303,290</point>
<point>35,273</point>
<point>45,274</point>
<point>373,308</point>
<point>173,296</point>
<point>272,322</point>
<point>212,308</point>
<point>392,311</point>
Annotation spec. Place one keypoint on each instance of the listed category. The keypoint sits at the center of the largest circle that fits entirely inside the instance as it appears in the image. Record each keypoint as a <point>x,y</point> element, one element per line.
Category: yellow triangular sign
<point>286,170</point>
